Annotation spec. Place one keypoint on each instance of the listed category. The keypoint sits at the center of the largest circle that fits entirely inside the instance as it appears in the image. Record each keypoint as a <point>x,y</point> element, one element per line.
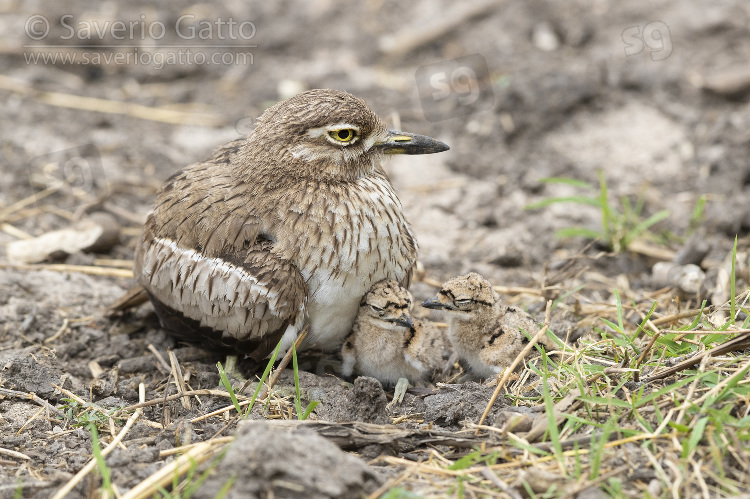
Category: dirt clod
<point>264,460</point>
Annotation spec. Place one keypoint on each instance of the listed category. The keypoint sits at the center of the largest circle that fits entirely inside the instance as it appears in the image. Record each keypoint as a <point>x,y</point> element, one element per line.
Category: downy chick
<point>388,344</point>
<point>485,334</point>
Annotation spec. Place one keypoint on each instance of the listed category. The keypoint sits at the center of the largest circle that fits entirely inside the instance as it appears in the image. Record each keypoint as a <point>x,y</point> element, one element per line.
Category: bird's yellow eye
<point>343,134</point>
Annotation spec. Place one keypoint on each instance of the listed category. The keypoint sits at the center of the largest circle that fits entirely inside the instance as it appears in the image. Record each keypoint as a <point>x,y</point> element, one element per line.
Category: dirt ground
<point>652,94</point>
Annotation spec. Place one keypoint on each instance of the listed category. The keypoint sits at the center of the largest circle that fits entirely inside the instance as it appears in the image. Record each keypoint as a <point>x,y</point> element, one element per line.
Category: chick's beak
<point>410,143</point>
<point>433,303</point>
<point>404,320</point>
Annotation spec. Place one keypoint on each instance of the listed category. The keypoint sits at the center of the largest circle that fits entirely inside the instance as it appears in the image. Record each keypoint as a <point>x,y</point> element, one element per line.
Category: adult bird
<point>287,228</point>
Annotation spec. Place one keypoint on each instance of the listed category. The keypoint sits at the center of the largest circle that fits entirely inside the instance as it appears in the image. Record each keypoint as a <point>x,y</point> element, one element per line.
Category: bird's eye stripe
<point>397,305</point>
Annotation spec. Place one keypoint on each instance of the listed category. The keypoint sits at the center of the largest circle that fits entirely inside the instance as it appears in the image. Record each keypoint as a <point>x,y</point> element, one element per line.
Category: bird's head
<point>467,297</point>
<point>330,134</point>
<point>388,306</point>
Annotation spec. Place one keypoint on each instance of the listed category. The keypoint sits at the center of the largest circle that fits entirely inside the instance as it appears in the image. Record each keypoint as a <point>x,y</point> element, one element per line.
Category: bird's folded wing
<point>426,351</point>
<point>244,304</point>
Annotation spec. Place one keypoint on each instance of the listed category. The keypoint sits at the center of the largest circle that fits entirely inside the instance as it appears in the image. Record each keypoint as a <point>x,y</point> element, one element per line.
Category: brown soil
<point>562,99</point>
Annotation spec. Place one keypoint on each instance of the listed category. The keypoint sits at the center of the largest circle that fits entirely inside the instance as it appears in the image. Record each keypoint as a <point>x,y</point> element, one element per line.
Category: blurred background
<point>639,109</point>
<point>103,101</point>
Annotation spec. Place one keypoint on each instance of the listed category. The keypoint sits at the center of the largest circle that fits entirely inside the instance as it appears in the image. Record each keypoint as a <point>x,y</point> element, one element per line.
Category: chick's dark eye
<point>343,135</point>
<point>376,309</point>
<point>462,303</point>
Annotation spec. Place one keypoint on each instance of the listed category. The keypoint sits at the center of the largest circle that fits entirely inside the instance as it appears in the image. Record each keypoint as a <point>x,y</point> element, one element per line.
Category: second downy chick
<point>485,334</point>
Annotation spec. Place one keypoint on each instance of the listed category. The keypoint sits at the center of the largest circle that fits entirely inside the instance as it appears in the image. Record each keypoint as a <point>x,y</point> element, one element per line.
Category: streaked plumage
<point>288,227</point>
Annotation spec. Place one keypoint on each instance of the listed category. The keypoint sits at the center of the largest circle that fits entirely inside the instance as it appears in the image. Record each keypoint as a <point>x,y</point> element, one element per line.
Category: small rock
<point>456,403</point>
<point>538,480</point>
<point>693,251</point>
<point>367,401</point>
<point>654,488</point>
<point>685,278</point>
<point>544,37</point>
<point>730,82</point>
<point>99,232</point>
<point>592,493</point>
<point>515,422</point>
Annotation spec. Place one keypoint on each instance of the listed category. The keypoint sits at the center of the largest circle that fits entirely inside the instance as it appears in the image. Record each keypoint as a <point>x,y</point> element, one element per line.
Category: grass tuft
<point>620,225</point>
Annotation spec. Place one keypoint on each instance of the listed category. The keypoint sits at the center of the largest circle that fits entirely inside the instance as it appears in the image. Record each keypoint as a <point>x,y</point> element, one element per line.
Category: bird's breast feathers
<point>317,265</point>
<point>368,244</point>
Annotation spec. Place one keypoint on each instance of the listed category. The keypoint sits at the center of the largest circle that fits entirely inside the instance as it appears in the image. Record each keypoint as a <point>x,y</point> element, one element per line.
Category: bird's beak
<point>433,303</point>
<point>404,321</point>
<point>410,143</point>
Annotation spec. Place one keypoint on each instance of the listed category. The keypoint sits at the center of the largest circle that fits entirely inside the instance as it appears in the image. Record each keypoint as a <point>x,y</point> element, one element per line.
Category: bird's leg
<point>449,365</point>
<point>231,369</point>
<point>398,393</point>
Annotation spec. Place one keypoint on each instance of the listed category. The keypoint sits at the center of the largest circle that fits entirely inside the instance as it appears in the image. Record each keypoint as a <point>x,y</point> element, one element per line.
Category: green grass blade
<point>224,490</point>
<point>579,232</point>
<point>611,324</point>
<point>101,465</point>
<point>554,434</point>
<point>529,448</point>
<point>733,291</point>
<point>297,391</point>
<point>643,322</point>
<point>310,408</point>
<point>228,386</point>
<point>262,380</point>
<point>639,229</point>
<point>695,437</point>
<point>658,393</point>
<point>597,446</point>
<point>746,323</point>
<point>466,461</point>
<point>627,210</point>
<point>194,484</point>
<point>730,386</point>
<point>605,209</point>
<point>608,401</point>
<point>696,321</point>
<point>567,181</point>
<point>564,199</point>
<point>697,216</point>
<point>400,493</point>
<point>563,296</point>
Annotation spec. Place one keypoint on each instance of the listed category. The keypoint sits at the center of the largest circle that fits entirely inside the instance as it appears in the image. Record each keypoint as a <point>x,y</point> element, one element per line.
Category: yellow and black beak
<point>410,143</point>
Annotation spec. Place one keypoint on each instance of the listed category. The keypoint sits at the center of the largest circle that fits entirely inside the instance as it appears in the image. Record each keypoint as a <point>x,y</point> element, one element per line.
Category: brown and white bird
<point>286,228</point>
<point>486,335</point>
<point>388,344</point>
